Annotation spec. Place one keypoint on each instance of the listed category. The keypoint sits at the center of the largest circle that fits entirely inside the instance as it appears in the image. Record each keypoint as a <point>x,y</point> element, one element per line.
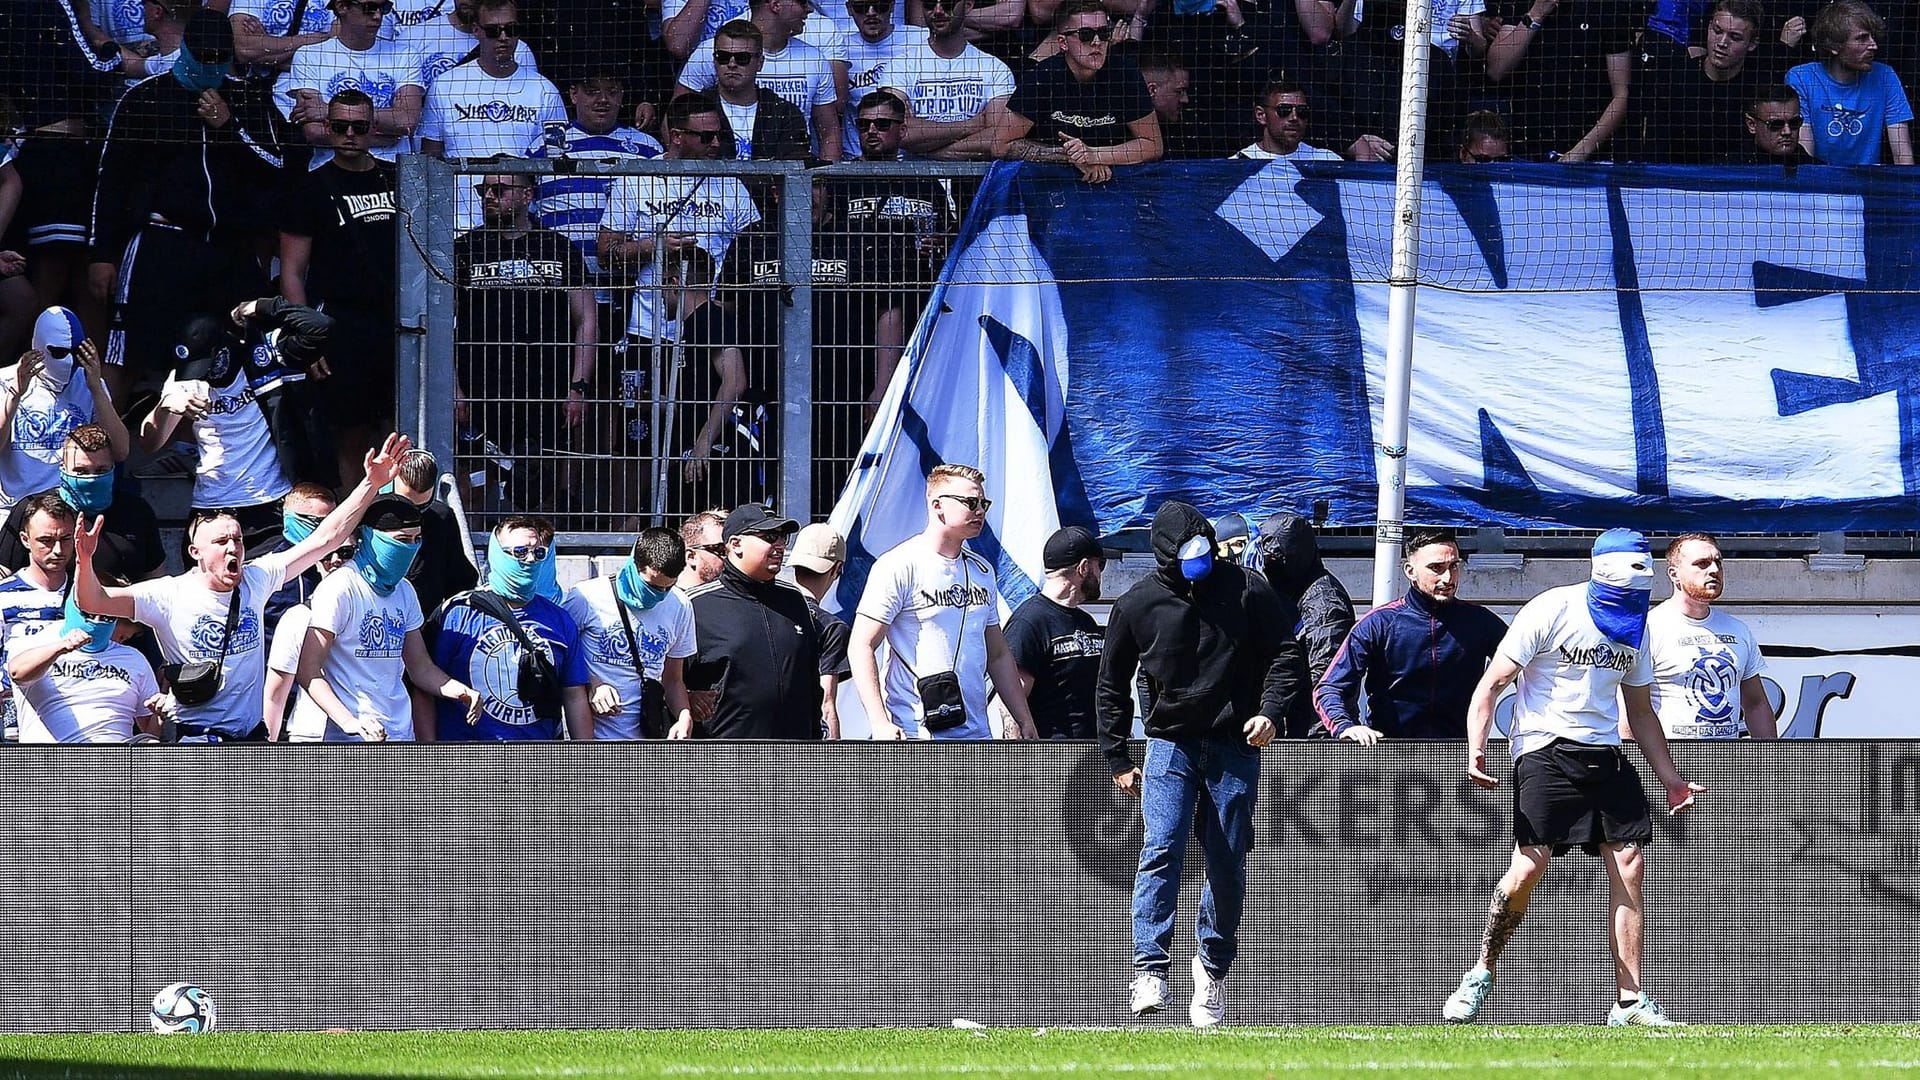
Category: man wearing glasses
<point>878,42</point>
<point>937,606</point>
<point>1283,114</point>
<point>445,40</point>
<point>957,92</point>
<point>758,643</point>
<point>492,107</point>
<point>355,58</point>
<point>767,124</point>
<point>1773,127</point>
<point>336,244</point>
<point>799,72</point>
<point>706,553</point>
<point>1077,109</point>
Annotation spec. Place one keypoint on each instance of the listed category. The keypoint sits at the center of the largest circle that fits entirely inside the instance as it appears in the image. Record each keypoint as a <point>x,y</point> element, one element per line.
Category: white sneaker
<point>1644,1012</point>
<point>1147,993</point>
<point>1209,997</point>
<point>1465,1003</point>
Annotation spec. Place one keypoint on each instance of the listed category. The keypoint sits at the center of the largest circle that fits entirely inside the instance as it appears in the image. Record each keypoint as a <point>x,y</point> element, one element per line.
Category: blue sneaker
<point>1644,1012</point>
<point>1465,1003</point>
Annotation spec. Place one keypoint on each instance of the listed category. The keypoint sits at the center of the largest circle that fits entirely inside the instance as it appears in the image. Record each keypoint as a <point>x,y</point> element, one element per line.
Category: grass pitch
<point>1560,1053</point>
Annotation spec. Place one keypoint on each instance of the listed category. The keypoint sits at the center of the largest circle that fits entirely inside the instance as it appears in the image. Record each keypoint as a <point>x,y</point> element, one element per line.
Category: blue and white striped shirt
<point>574,205</point>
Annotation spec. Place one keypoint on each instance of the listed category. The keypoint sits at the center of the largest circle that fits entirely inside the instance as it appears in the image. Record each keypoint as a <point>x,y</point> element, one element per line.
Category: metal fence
<point>746,316</point>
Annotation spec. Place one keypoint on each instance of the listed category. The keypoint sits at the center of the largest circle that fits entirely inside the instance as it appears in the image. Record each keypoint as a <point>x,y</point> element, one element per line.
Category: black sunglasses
<point>875,123</point>
<point>371,7</point>
<point>501,30</point>
<point>1784,123</point>
<point>944,5</point>
<point>719,549</point>
<point>869,7</point>
<point>341,127</point>
<point>1284,111</point>
<point>707,138</point>
<point>498,190</point>
<point>1090,34</point>
<point>979,504</point>
<point>1488,159</point>
<point>742,58</point>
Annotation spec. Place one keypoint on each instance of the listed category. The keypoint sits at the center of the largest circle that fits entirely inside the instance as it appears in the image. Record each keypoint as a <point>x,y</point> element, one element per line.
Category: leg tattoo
<point>1503,918</point>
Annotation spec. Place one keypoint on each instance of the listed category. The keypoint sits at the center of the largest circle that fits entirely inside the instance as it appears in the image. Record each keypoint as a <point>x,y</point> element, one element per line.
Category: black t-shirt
<point>1692,120</point>
<point>1561,86</point>
<point>350,216</point>
<point>443,568</point>
<point>1060,647</point>
<point>1096,112</point>
<point>514,292</point>
<point>129,541</point>
<point>834,635</point>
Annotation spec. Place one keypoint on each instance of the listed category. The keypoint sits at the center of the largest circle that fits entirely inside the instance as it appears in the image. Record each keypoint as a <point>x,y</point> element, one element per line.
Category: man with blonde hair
<point>1847,98</point>
<point>937,606</point>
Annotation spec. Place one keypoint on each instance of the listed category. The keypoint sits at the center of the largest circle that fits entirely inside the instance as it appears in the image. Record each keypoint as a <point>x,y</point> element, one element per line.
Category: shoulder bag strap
<point>233,619</point>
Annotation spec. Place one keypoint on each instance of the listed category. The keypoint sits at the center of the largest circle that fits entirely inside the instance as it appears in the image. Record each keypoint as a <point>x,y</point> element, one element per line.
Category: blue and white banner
<point>1725,349</point>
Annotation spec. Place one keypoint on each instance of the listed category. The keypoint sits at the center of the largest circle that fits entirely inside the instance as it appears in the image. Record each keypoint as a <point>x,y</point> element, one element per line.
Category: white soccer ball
<point>182,1007</point>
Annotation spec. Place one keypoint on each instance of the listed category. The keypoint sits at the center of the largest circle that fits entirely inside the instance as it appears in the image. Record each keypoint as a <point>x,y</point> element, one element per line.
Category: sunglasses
<point>716,550</point>
<point>59,352</point>
<point>341,127</point>
<point>875,123</point>
<point>1090,34</point>
<point>1784,123</point>
<point>869,7</point>
<point>706,137</point>
<point>945,5</point>
<point>501,30</point>
<point>728,57</point>
<point>527,553</point>
<point>370,7</point>
<point>343,552</point>
<point>777,539</point>
<point>498,190</point>
<point>1286,112</point>
<point>978,504</point>
<point>1488,159</point>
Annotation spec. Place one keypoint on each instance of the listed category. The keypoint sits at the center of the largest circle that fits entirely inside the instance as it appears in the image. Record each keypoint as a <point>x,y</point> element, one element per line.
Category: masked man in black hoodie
<point>1217,647</point>
<point>1289,554</point>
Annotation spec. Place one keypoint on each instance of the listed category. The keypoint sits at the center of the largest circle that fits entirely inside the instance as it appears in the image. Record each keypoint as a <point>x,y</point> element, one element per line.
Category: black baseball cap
<point>755,517</point>
<point>1068,546</point>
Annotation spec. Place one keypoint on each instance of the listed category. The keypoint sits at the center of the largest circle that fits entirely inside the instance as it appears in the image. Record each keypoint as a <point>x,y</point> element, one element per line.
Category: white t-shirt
<point>719,13</point>
<point>800,73</point>
<point>476,115</point>
<point>1698,666</point>
<point>441,45</point>
<point>923,597</point>
<point>947,91</point>
<point>1570,673</point>
<point>364,667</point>
<point>26,612</point>
<point>30,463</point>
<point>238,464</point>
<point>283,652</point>
<point>189,620</point>
<point>408,14</point>
<point>741,118</point>
<point>1303,152</point>
<point>328,67</point>
<point>662,631</point>
<point>276,16</point>
<point>714,208</point>
<point>87,697</point>
<point>867,66</point>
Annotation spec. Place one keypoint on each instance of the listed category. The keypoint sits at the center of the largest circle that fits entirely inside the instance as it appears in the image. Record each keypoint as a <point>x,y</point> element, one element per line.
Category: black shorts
<point>1567,794</point>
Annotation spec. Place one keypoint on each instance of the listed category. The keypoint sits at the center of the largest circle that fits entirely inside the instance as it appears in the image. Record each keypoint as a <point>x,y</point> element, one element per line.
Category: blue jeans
<point>1218,778</point>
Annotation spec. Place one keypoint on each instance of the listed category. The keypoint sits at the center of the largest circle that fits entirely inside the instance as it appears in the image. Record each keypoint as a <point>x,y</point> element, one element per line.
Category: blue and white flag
<point>1725,349</point>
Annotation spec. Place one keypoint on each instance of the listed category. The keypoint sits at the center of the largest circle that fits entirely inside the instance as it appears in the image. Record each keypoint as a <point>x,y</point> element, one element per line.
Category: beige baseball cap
<point>818,548</point>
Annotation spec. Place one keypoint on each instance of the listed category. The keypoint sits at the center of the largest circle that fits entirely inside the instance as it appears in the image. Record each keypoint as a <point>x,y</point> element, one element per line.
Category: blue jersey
<point>484,653</point>
<point>573,205</point>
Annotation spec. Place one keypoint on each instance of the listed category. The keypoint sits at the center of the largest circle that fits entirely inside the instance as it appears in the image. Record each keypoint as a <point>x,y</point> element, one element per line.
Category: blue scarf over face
<point>91,494</point>
<point>196,76</point>
<point>518,581</point>
<point>99,628</point>
<point>1621,587</point>
<point>296,527</point>
<point>383,560</point>
<point>632,590</point>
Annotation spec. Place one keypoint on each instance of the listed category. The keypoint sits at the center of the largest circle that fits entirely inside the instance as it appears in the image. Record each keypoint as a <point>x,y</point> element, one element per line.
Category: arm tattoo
<point>1029,150</point>
<point>1502,920</point>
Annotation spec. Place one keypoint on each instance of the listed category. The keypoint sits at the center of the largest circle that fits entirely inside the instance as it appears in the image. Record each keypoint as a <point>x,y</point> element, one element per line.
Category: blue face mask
<point>546,577</point>
<point>91,494</point>
<point>297,527</point>
<point>383,560</point>
<point>632,590</point>
<point>511,578</point>
<point>1196,558</point>
<point>189,72</point>
<point>99,628</point>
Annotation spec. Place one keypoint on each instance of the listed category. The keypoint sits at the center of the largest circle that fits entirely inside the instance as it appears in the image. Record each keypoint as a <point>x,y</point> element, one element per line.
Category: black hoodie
<point>1216,652</point>
<point>1290,557</point>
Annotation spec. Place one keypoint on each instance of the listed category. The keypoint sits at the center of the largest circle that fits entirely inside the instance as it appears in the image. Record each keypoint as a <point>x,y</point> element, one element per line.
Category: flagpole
<point>1390,444</point>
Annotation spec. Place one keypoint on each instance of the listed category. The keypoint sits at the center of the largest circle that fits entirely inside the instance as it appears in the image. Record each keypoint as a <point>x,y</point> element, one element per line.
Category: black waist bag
<point>942,707</point>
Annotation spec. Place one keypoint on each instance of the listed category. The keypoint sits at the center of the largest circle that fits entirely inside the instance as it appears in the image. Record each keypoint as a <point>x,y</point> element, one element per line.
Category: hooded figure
<point>1621,587</point>
<point>56,401</point>
<point>272,349</point>
<point>1290,557</point>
